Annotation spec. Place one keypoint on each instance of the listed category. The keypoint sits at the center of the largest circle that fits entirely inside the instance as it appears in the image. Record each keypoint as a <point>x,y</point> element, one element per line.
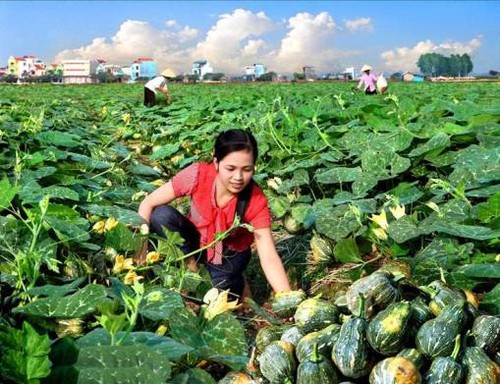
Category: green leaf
<point>159,303</point>
<point>338,175</point>
<point>486,270</point>
<point>7,193</point>
<point>59,192</point>
<point>186,328</point>
<point>132,364</point>
<point>194,376</point>
<point>347,251</point>
<point>490,210</point>
<point>435,144</point>
<point>491,301</point>
<point>335,222</point>
<point>163,345</point>
<point>79,304</point>
<point>56,290</point>
<point>25,354</point>
<point>467,231</point>
<point>225,335</point>
<point>59,138</point>
<point>165,151</point>
<point>403,229</point>
<point>122,238</point>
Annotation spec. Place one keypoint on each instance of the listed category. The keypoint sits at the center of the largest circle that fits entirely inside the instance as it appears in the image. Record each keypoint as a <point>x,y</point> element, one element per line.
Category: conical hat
<point>168,73</point>
<point>366,68</point>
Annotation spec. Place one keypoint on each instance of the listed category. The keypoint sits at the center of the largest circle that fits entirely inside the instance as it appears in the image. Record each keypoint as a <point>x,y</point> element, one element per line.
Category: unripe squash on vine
<point>321,249</point>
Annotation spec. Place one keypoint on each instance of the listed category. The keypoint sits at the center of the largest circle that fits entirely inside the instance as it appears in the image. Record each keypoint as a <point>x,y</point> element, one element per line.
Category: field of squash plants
<point>386,213</point>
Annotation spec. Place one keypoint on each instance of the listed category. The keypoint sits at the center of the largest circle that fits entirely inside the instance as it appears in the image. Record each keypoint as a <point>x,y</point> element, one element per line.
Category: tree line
<point>435,64</point>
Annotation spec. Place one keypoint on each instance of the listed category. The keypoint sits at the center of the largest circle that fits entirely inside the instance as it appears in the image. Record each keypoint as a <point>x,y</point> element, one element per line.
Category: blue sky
<point>282,35</point>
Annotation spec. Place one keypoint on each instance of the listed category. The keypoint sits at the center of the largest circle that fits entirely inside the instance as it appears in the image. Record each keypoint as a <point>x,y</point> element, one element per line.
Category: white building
<point>80,71</point>
<point>201,67</point>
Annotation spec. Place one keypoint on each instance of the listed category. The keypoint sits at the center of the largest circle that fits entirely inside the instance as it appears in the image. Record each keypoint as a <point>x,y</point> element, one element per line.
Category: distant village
<point>30,69</point>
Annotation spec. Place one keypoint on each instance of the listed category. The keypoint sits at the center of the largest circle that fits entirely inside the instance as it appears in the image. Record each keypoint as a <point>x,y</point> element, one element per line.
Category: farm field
<point>407,182</point>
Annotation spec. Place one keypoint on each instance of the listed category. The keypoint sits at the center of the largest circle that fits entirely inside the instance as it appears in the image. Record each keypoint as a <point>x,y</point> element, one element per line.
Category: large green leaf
<point>61,139</point>
<point>347,251</point>
<point>335,222</point>
<point>163,345</point>
<point>25,354</point>
<point>79,304</point>
<point>7,193</point>
<point>159,303</point>
<point>338,175</point>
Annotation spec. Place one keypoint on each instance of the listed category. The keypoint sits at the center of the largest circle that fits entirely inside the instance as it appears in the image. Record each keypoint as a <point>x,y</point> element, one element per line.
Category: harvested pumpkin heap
<point>381,330</point>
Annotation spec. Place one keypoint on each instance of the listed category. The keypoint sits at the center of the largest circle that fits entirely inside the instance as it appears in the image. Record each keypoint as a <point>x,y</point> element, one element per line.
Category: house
<point>255,70</point>
<point>144,68</point>
<point>80,71</point>
<point>29,65</point>
<point>309,73</point>
<point>408,76</point>
<point>200,68</point>
<point>349,74</point>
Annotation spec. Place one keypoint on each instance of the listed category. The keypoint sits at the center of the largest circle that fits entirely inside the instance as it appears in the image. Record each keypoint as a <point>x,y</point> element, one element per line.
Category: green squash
<point>441,295</point>
<point>437,336</point>
<point>316,369</point>
<point>292,335</point>
<point>480,369</point>
<point>395,370</point>
<point>314,314</point>
<point>284,304</point>
<point>321,250</point>
<point>323,339</point>
<point>420,312</point>
<point>388,331</point>
<point>269,334</point>
<point>277,362</point>
<point>446,370</point>
<point>351,352</point>
<point>378,290</point>
<point>414,355</point>
<point>237,378</point>
<point>486,333</point>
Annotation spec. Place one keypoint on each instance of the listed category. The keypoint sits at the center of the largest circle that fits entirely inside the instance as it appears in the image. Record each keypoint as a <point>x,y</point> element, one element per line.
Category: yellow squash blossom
<point>381,220</point>
<point>398,211</point>
<point>99,226</point>
<point>110,224</point>
<point>157,182</point>
<point>123,264</point>
<point>131,278</point>
<point>380,233</point>
<point>152,257</point>
<point>217,303</point>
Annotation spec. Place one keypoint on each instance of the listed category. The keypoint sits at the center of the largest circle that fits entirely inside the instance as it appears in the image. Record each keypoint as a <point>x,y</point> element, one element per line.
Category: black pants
<point>149,97</point>
<point>226,276</point>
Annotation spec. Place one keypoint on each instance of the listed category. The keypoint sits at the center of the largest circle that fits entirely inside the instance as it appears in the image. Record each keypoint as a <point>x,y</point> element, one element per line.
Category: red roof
<point>141,59</point>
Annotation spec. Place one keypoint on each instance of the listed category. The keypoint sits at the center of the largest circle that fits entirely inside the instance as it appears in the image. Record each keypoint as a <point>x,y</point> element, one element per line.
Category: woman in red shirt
<point>214,189</point>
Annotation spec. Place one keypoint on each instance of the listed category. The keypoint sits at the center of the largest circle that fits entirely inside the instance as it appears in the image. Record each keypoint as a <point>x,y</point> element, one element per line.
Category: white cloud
<point>230,44</point>
<point>363,24</point>
<point>405,58</point>
<point>308,42</point>
<point>134,39</point>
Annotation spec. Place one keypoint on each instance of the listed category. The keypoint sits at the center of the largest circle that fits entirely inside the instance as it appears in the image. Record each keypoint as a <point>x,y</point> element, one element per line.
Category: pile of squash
<point>381,330</point>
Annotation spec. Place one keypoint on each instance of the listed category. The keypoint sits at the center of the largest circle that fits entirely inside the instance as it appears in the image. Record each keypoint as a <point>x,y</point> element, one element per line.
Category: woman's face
<point>235,170</point>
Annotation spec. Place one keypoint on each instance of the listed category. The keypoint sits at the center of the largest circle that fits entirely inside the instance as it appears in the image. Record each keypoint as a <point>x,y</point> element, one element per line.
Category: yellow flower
<point>380,233</point>
<point>161,330</point>
<point>274,183</point>
<point>110,224</point>
<point>126,118</point>
<point>99,226</point>
<point>398,211</point>
<point>157,183</point>
<point>217,303</point>
<point>131,278</point>
<point>152,257</point>
<point>123,264</point>
<point>381,220</point>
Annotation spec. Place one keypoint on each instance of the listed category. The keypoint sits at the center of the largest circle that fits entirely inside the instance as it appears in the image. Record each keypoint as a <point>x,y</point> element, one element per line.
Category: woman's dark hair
<point>234,140</point>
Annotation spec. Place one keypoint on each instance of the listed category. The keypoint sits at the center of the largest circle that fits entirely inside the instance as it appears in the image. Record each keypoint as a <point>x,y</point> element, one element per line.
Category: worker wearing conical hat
<point>155,85</point>
<point>368,80</point>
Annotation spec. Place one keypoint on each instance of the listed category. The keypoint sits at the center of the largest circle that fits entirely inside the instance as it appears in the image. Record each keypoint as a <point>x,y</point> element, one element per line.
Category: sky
<point>284,36</point>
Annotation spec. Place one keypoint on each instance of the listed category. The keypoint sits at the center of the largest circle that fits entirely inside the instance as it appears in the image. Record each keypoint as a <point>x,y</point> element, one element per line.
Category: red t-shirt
<point>198,182</point>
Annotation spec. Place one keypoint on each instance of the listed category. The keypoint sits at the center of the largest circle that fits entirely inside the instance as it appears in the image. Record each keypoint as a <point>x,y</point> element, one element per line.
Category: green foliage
<point>24,354</point>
